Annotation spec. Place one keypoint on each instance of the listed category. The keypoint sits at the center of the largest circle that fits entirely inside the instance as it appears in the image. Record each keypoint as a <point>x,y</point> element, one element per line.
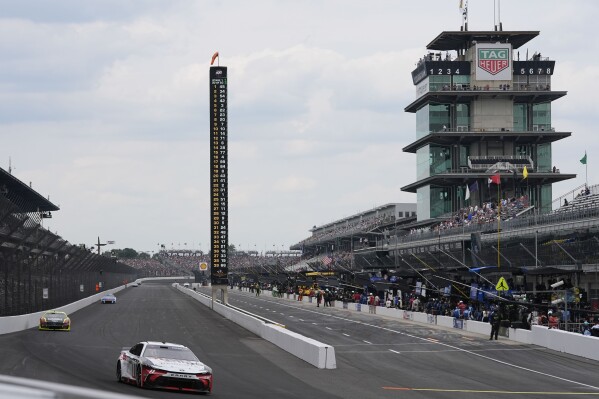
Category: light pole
<point>99,244</point>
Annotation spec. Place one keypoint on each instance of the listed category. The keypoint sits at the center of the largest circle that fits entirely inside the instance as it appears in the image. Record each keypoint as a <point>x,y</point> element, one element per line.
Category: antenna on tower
<point>464,11</point>
<point>497,15</point>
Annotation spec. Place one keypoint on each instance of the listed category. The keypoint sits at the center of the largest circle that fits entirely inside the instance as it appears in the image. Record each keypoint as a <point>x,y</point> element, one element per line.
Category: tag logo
<point>493,60</point>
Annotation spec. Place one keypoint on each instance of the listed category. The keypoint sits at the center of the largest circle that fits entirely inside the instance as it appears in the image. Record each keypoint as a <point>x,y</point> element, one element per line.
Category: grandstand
<point>40,270</point>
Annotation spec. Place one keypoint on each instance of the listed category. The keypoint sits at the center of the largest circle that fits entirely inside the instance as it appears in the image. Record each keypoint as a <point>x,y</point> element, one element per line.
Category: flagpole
<point>498,226</point>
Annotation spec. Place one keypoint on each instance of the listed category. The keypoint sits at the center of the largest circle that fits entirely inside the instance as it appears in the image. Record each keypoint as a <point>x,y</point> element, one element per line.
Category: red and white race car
<point>163,365</point>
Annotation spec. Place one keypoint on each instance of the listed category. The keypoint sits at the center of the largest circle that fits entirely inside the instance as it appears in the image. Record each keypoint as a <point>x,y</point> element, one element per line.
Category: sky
<point>104,107</point>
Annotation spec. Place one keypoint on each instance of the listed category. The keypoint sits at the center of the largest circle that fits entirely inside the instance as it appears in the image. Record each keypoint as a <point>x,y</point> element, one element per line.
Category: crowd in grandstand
<point>248,259</point>
<point>487,213</point>
<point>365,224</point>
<point>151,267</point>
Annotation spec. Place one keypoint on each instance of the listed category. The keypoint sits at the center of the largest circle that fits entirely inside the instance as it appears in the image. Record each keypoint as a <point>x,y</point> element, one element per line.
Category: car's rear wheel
<point>119,375</point>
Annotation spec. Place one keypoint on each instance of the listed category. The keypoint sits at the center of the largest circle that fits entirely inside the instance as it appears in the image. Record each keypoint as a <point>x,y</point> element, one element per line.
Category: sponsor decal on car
<point>177,375</point>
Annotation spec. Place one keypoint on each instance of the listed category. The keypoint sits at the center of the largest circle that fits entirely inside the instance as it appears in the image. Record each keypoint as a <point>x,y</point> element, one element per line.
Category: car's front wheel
<point>119,375</point>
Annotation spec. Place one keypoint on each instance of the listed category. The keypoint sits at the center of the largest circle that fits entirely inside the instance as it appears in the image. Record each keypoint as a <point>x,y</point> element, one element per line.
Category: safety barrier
<point>314,352</point>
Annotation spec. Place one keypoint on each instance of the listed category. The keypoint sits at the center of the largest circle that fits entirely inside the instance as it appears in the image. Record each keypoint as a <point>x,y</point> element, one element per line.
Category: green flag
<point>584,159</point>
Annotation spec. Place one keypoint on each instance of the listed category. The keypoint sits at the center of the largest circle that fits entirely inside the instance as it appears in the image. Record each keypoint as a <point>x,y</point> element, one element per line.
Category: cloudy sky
<point>104,108</point>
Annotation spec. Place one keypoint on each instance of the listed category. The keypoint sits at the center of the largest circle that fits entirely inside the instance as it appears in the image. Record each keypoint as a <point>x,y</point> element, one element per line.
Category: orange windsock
<point>214,56</point>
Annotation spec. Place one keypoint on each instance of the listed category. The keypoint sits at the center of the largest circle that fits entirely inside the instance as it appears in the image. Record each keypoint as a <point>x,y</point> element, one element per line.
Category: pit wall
<point>558,340</point>
<point>316,353</point>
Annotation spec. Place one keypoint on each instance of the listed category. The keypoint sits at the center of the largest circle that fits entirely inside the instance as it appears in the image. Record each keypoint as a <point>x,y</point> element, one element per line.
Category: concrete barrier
<point>314,352</point>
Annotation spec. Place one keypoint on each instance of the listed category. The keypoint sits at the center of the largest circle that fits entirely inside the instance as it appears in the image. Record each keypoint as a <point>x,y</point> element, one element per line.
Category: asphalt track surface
<point>377,357</point>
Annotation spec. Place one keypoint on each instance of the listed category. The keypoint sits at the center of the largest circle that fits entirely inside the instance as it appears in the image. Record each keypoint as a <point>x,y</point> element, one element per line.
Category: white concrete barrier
<point>314,352</point>
<point>519,335</point>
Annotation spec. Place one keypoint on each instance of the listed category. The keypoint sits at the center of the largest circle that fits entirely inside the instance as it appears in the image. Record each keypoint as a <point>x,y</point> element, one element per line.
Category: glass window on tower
<point>439,118</point>
<point>423,195</point>
<point>440,159</point>
<point>520,82</point>
<point>540,82</point>
<point>440,82</point>
<point>546,198</point>
<point>462,82</point>
<point>422,122</point>
<point>423,162</point>
<point>541,116</point>
<point>464,154</point>
<point>440,201</point>
<point>520,119</point>
<point>544,157</point>
<point>522,150</point>
<point>462,117</point>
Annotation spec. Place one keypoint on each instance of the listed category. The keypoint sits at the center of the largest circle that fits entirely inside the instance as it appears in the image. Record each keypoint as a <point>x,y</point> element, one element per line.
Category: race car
<point>163,365</point>
<point>55,320</point>
<point>108,298</point>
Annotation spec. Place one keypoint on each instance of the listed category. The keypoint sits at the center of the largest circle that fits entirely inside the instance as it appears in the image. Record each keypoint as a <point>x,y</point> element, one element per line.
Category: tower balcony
<point>468,136</point>
<point>519,94</point>
<point>500,162</point>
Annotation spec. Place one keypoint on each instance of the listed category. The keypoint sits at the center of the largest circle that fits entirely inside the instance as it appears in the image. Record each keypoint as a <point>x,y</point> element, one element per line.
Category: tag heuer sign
<point>493,61</point>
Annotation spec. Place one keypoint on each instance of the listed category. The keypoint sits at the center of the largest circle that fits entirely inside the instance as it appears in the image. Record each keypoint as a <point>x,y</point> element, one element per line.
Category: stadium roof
<point>457,40</point>
<point>23,196</point>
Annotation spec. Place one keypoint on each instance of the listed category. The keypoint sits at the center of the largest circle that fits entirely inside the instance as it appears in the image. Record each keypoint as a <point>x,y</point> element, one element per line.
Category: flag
<point>467,196</point>
<point>524,172</point>
<point>214,57</point>
<point>495,179</point>
<point>584,159</point>
<point>464,8</point>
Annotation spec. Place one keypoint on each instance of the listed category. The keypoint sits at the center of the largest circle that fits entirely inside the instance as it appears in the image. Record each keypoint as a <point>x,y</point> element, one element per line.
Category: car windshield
<point>169,352</point>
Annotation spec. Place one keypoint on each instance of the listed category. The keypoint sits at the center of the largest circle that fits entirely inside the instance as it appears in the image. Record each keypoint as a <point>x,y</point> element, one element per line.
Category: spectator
<point>585,328</point>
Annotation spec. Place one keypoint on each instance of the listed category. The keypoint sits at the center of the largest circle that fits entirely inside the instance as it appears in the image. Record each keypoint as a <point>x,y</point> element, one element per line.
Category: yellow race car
<point>55,320</point>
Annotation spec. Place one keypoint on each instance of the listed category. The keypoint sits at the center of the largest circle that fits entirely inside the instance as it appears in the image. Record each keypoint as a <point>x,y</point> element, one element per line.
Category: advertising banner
<point>493,61</point>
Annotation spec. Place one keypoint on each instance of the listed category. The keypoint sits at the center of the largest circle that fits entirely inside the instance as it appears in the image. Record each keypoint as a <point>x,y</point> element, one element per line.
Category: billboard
<point>493,61</point>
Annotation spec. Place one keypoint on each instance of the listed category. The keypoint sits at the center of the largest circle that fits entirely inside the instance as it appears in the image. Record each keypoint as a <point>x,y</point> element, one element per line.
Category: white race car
<point>163,365</point>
